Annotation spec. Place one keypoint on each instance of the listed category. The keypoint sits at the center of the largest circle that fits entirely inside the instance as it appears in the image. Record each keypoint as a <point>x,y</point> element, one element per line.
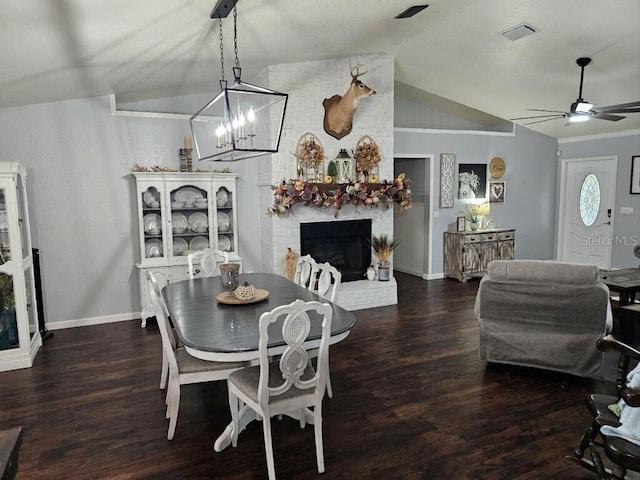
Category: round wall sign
<point>496,167</point>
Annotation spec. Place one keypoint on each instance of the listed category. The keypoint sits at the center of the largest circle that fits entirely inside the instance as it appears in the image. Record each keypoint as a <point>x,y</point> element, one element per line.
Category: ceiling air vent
<point>518,32</point>
<point>411,11</point>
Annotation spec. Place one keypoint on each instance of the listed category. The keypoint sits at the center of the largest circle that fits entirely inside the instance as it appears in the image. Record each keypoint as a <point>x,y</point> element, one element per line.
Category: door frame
<point>429,239</point>
<point>564,165</point>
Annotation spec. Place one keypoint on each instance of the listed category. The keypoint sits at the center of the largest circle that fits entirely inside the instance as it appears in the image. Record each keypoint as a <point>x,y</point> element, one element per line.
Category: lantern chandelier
<point>242,121</point>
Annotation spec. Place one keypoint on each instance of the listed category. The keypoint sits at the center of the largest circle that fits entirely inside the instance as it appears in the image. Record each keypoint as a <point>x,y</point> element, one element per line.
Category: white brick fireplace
<point>308,84</point>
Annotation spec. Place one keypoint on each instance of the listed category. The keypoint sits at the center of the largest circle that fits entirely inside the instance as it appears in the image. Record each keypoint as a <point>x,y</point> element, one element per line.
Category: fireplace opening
<point>344,244</point>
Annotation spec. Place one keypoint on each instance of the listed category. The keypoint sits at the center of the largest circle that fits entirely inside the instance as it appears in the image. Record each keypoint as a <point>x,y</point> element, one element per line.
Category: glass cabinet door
<point>189,219</point>
<point>24,227</point>
<point>224,218</point>
<point>5,246</point>
<point>152,222</point>
<point>8,322</point>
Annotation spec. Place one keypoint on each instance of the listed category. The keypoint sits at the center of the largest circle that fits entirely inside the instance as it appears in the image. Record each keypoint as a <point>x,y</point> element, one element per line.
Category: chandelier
<point>243,120</point>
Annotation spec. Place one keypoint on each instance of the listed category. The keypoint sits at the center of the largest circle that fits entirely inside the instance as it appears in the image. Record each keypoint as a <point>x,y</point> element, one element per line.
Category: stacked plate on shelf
<point>188,195</point>
<point>152,223</point>
<point>224,243</point>
<point>153,248</point>
<point>180,246</point>
<point>198,222</point>
<point>224,222</point>
<point>179,222</point>
<point>198,243</point>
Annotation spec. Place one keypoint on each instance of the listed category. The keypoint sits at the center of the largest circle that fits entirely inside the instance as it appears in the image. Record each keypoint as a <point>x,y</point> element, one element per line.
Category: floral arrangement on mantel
<point>378,195</point>
<point>159,168</point>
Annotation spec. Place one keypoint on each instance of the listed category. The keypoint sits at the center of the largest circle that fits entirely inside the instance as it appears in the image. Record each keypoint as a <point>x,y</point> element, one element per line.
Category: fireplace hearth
<point>344,244</point>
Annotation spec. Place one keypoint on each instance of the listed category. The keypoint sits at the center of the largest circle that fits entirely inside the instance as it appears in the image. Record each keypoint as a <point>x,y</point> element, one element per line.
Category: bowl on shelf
<point>201,202</point>
<point>177,204</point>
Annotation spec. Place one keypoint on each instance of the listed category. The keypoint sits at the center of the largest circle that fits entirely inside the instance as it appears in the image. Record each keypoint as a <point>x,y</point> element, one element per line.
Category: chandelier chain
<point>221,50</point>
<point>235,35</point>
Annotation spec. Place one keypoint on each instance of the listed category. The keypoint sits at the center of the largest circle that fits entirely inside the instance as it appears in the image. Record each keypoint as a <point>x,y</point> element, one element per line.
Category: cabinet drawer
<point>472,238</point>
<point>506,235</point>
<point>488,237</point>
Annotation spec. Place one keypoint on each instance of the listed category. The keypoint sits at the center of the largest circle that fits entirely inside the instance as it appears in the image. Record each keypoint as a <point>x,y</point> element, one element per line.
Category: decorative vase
<point>245,291</point>
<point>383,271</point>
<point>474,225</point>
<point>229,276</point>
<point>371,273</point>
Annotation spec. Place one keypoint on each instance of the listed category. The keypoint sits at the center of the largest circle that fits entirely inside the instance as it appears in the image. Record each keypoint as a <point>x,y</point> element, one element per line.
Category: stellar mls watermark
<point>618,240</point>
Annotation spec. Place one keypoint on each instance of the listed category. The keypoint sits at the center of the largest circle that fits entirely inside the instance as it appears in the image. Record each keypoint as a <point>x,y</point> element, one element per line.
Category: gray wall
<point>531,176</point>
<point>79,158</point>
<point>626,228</point>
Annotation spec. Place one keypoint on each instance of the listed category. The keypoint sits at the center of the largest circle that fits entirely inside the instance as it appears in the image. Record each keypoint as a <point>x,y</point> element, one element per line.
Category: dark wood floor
<point>412,400</point>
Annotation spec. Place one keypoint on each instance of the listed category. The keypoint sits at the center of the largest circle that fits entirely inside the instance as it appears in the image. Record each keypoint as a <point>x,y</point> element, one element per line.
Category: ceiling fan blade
<point>538,116</point>
<point>620,108</point>
<point>544,120</point>
<point>540,110</point>
<point>607,116</point>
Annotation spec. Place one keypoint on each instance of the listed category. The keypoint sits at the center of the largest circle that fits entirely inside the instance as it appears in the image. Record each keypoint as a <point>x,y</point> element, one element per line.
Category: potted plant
<point>383,246</point>
<point>471,214</point>
<point>8,324</point>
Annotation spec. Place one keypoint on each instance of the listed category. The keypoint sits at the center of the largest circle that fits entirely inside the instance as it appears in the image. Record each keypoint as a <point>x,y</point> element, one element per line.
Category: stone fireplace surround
<point>307,85</point>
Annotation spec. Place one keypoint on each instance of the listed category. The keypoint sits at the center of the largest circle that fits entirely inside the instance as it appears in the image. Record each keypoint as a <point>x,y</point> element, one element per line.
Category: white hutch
<point>179,213</point>
<point>19,335</point>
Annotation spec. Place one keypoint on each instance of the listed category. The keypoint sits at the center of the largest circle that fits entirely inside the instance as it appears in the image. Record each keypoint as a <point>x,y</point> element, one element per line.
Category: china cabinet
<point>179,213</point>
<point>19,334</point>
<point>467,254</point>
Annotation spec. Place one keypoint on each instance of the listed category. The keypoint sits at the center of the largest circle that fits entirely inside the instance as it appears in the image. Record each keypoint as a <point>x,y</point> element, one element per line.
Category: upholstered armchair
<point>541,314</point>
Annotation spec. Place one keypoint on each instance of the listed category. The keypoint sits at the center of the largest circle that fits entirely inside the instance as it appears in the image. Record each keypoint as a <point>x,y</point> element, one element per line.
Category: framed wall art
<point>447,173</point>
<point>472,180</point>
<point>461,224</point>
<point>635,175</point>
<point>497,191</point>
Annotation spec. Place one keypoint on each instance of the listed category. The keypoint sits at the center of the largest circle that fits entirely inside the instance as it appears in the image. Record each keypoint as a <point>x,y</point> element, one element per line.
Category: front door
<point>587,198</point>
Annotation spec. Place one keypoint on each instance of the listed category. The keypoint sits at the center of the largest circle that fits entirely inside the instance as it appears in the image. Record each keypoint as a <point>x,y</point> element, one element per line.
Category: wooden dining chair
<point>325,280</point>
<point>206,263</point>
<point>183,369</point>
<point>289,386</point>
<point>304,267</point>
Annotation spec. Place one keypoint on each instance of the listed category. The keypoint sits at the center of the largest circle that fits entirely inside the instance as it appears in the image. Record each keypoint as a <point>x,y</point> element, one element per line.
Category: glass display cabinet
<point>179,213</point>
<point>19,334</point>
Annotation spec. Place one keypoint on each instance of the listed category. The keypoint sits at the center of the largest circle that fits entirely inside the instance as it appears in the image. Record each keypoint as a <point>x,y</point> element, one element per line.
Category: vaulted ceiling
<point>61,49</point>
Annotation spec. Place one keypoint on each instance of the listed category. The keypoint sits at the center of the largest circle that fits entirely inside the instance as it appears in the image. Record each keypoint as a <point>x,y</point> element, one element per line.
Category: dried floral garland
<point>384,195</point>
<point>159,168</point>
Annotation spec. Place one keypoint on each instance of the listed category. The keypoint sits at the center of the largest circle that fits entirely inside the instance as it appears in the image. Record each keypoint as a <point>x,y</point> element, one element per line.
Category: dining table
<point>212,326</point>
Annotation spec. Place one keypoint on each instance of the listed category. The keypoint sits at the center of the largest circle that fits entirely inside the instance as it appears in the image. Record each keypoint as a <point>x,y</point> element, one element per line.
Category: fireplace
<point>345,245</point>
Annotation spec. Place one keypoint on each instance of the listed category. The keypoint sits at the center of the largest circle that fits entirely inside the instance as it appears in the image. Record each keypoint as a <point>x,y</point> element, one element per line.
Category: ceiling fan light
<point>583,107</point>
<point>579,117</point>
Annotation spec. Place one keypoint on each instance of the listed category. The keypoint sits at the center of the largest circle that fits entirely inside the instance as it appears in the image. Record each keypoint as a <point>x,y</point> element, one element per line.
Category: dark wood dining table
<point>215,331</point>
<point>626,282</point>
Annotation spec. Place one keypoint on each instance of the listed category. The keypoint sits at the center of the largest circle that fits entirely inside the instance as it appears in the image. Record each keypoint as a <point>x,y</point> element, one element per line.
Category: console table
<point>467,254</point>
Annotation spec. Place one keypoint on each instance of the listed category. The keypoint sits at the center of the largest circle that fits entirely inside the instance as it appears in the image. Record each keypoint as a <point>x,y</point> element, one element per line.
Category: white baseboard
<point>83,322</point>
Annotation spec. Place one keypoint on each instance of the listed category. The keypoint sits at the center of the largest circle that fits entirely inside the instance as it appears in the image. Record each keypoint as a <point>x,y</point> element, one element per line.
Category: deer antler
<point>357,67</point>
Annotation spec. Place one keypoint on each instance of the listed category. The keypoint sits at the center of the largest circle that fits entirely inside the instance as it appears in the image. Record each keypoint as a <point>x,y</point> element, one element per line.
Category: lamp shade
<point>242,121</point>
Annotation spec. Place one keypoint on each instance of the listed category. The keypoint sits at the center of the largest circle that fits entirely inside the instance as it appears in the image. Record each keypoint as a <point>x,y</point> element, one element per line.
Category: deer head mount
<point>339,110</point>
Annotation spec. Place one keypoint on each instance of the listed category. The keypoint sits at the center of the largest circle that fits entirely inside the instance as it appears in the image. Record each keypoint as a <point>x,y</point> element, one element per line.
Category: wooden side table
<point>628,315</point>
<point>10,441</point>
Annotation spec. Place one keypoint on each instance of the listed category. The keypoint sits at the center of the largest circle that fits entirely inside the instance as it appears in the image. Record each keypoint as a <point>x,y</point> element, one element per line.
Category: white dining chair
<point>289,386</point>
<point>206,263</point>
<point>304,267</point>
<point>325,281</point>
<point>183,369</point>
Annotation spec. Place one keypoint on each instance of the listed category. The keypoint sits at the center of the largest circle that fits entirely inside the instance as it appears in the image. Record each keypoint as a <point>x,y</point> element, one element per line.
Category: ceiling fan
<point>581,110</point>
